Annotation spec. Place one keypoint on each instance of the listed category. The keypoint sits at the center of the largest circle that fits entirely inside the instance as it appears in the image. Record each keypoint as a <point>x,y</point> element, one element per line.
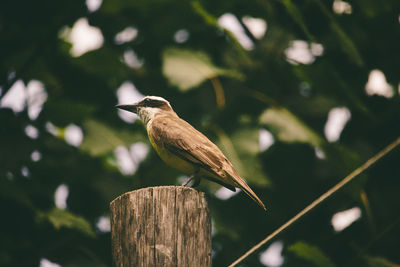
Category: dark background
<point>256,89</point>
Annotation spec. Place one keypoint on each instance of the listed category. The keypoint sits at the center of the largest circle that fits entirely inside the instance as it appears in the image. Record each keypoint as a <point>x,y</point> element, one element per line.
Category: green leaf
<point>187,69</point>
<point>379,262</point>
<point>77,111</point>
<point>61,218</point>
<point>242,149</point>
<point>345,41</point>
<point>207,17</point>
<point>101,139</point>
<point>311,253</point>
<point>288,128</point>
<point>297,17</point>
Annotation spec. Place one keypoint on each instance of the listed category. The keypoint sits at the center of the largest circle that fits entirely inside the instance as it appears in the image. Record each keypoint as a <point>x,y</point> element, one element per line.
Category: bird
<point>184,148</point>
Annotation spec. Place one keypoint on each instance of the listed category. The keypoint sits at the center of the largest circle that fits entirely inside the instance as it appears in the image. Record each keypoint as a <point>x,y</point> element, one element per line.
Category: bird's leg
<point>196,181</point>
<point>188,180</point>
<point>193,177</point>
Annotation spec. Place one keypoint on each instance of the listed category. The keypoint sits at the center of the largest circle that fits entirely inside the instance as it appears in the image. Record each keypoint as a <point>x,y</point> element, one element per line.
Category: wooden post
<point>161,226</point>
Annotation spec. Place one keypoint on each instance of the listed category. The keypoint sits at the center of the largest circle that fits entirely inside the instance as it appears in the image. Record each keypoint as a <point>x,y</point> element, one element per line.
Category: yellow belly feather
<point>180,164</point>
<point>170,158</point>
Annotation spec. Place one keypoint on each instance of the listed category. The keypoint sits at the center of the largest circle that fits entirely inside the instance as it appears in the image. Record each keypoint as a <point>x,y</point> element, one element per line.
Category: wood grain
<point>161,226</point>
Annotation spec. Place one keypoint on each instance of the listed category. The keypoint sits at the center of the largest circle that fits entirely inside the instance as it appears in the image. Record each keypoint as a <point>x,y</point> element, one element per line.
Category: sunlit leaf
<point>101,139</point>
<point>61,218</point>
<point>310,253</point>
<point>379,262</point>
<point>187,69</point>
<point>287,127</point>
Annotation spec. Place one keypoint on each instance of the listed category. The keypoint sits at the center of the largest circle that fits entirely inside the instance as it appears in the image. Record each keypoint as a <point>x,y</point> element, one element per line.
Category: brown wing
<point>180,138</point>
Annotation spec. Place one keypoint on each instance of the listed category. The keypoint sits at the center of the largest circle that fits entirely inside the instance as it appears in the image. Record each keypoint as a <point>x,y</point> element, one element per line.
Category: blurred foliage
<point>287,127</point>
<point>186,69</point>
<point>310,253</point>
<point>233,94</point>
<point>101,140</point>
<point>61,218</point>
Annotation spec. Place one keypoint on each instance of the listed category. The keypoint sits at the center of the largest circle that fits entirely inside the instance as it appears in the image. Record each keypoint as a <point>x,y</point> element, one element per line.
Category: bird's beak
<point>130,108</point>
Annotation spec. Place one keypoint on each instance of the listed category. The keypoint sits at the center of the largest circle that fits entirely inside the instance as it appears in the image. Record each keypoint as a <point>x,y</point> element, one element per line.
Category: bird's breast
<point>168,157</point>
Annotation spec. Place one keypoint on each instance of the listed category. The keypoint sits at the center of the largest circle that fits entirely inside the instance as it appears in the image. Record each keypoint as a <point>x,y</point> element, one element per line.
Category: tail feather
<point>242,185</point>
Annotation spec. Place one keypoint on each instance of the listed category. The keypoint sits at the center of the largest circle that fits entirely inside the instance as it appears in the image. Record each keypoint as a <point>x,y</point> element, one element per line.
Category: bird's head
<point>148,107</point>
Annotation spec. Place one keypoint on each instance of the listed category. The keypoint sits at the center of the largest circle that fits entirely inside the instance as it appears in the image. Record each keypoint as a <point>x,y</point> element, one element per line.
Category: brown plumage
<point>171,136</point>
<point>199,150</point>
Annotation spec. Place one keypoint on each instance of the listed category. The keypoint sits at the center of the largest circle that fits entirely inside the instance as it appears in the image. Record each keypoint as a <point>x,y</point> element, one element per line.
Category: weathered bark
<point>161,226</point>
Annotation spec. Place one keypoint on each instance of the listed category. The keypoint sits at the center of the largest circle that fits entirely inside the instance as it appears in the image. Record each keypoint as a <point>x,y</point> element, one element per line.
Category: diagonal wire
<point>319,200</point>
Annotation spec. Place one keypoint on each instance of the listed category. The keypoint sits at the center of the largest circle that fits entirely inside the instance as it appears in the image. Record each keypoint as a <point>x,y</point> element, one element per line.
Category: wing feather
<point>182,139</point>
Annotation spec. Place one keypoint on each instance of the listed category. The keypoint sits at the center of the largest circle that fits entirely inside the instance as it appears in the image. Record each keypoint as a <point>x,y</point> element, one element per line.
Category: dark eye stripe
<point>152,103</point>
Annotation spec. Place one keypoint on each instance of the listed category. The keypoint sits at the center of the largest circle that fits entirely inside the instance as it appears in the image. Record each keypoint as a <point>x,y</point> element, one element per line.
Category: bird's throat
<point>147,114</point>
